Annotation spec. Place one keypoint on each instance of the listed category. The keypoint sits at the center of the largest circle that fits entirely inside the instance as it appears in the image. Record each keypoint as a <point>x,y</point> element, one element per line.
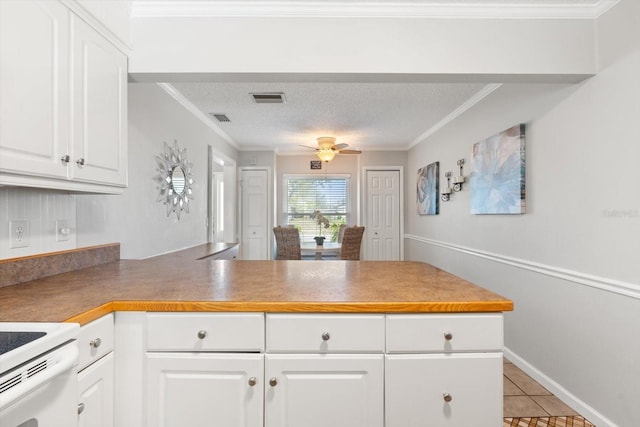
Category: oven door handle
<point>66,358</point>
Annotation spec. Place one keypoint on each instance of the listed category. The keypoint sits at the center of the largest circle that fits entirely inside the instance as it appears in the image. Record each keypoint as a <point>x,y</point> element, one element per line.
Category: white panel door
<point>255,214</point>
<point>324,391</point>
<point>452,390</point>
<point>95,389</point>
<point>34,88</point>
<point>383,215</point>
<point>205,389</point>
<point>99,108</point>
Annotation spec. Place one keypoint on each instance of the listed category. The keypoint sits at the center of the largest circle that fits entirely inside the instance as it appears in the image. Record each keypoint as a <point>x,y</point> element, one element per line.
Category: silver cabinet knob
<point>95,343</point>
<point>65,158</point>
<point>325,336</point>
<point>80,408</point>
<point>447,397</point>
<point>273,382</point>
<point>253,381</point>
<point>80,162</point>
<point>202,334</point>
<point>448,336</point>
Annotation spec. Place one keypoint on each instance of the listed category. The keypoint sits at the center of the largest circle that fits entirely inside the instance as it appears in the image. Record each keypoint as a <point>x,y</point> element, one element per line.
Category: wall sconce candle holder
<point>459,180</point>
<point>446,192</point>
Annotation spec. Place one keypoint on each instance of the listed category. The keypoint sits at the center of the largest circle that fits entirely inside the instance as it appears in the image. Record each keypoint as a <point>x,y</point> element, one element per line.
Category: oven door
<point>42,392</point>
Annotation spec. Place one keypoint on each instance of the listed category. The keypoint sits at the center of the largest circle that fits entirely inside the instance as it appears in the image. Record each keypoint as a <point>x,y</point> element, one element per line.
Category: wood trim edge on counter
<point>293,307</point>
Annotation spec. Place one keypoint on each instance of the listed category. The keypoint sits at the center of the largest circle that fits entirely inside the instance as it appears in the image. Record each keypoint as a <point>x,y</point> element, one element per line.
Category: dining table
<point>311,248</point>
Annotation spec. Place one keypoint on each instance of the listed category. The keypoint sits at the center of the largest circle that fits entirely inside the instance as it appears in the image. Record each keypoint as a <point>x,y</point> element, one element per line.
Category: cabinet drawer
<point>95,340</point>
<point>205,332</point>
<point>325,333</point>
<point>444,333</point>
<point>457,390</point>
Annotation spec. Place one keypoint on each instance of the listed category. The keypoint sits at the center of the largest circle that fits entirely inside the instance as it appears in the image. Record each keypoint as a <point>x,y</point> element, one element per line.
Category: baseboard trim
<point>560,392</point>
<point>610,285</point>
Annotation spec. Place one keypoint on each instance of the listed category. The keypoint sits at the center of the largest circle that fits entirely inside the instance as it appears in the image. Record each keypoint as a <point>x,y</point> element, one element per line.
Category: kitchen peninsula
<point>380,343</point>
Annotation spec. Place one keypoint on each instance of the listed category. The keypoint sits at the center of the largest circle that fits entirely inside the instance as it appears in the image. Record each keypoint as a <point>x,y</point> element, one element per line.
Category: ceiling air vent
<point>220,117</point>
<point>268,97</point>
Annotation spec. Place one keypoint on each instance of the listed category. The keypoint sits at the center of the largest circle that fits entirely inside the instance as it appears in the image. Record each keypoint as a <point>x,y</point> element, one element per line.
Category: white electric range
<point>38,381</point>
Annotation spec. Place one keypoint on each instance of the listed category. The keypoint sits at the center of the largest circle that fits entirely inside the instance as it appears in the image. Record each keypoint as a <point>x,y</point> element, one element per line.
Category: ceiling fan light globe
<point>326,154</point>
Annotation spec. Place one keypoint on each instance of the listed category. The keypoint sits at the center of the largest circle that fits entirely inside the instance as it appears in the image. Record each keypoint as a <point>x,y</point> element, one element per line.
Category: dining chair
<point>287,243</point>
<point>341,232</point>
<point>351,243</point>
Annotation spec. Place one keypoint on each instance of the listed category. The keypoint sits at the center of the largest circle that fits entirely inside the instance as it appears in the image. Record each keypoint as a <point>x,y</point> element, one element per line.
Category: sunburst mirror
<point>174,179</point>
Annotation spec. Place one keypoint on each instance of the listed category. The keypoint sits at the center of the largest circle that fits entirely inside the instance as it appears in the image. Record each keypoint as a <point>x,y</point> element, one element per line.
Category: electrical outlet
<point>63,232</point>
<point>18,234</point>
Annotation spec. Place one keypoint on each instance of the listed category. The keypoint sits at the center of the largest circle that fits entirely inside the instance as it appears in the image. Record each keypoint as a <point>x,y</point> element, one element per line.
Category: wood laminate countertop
<point>183,282</point>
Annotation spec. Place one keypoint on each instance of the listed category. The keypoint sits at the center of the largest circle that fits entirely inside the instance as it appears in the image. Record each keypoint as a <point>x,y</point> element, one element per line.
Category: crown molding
<point>467,105</point>
<point>189,106</point>
<point>379,9</point>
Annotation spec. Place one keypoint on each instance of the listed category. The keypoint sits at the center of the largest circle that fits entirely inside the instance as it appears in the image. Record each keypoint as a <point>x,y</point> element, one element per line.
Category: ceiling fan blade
<point>339,147</point>
<point>306,146</point>
<point>350,151</point>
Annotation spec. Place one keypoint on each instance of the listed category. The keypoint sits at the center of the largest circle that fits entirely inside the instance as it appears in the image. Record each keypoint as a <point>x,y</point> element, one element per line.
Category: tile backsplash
<point>41,209</point>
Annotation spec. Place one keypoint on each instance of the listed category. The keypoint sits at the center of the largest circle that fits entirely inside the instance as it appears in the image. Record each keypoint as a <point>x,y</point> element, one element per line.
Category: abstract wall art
<point>498,173</point>
<point>428,189</point>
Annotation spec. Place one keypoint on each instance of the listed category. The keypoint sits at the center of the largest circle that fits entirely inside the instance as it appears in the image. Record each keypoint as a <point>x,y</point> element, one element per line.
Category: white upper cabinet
<point>99,108</point>
<point>63,109</point>
<point>34,83</point>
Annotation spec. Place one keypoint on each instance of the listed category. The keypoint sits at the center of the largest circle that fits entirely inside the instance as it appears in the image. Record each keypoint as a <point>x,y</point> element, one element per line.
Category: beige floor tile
<point>524,381</point>
<point>510,389</point>
<point>554,406</point>
<point>522,406</point>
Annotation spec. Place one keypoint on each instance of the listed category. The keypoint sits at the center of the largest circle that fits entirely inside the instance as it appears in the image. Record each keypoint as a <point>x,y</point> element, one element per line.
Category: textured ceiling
<point>367,116</point>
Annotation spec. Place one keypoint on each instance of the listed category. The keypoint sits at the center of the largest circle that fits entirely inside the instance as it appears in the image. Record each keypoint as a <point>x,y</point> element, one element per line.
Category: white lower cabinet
<point>324,390</point>
<point>204,389</point>
<point>452,390</point>
<point>95,394</point>
<point>308,370</point>
<point>443,370</point>
<point>96,373</point>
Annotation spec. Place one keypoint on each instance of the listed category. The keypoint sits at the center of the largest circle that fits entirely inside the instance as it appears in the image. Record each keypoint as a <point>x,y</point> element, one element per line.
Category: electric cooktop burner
<point>14,339</point>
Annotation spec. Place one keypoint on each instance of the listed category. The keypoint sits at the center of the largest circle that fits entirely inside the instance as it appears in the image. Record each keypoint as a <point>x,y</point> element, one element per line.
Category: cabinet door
<point>324,390</point>
<point>99,108</point>
<point>95,389</point>
<point>34,83</point>
<point>204,389</point>
<point>452,390</point>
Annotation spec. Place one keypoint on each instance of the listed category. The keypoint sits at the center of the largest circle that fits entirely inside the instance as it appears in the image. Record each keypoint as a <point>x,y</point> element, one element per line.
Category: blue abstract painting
<point>428,187</point>
<point>498,173</point>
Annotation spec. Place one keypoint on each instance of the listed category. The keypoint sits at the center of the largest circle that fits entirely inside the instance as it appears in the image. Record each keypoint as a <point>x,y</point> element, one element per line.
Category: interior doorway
<point>221,193</point>
<point>383,203</point>
<point>255,202</point>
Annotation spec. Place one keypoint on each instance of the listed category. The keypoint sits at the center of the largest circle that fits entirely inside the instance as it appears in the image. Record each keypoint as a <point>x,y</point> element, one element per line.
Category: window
<point>306,194</point>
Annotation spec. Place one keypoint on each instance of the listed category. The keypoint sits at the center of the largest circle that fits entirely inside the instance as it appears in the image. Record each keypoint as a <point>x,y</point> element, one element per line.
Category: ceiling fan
<point>327,148</point>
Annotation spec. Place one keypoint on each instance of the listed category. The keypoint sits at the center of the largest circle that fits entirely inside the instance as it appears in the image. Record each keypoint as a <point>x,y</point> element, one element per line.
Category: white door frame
<point>229,166</point>
<point>269,203</point>
<point>365,193</point>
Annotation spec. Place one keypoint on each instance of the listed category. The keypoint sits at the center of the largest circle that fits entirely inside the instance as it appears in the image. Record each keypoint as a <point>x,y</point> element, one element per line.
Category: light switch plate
<point>19,234</point>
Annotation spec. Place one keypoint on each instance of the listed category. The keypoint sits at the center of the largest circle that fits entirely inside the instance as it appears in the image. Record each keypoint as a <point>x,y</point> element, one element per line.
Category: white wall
<point>433,47</point>
<point>570,264</point>
<point>136,219</point>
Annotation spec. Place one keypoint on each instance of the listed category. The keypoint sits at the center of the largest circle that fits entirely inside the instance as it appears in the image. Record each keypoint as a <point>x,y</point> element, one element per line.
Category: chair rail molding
<point>602,283</point>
